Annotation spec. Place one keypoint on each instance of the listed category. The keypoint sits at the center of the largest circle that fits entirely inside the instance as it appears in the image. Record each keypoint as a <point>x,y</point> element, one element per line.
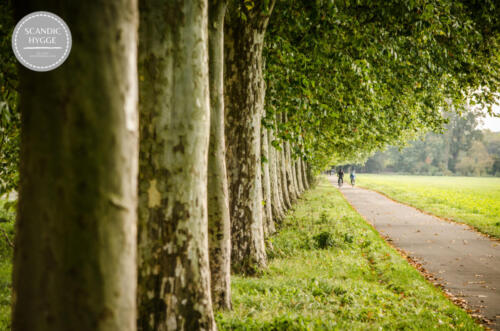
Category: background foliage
<point>9,116</point>
<point>462,149</point>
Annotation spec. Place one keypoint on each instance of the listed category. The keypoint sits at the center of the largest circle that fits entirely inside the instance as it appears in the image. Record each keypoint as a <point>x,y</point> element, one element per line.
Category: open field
<point>471,200</point>
<point>330,270</point>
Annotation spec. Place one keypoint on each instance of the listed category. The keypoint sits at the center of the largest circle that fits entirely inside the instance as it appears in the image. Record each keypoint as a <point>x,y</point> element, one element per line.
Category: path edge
<point>430,278</point>
<point>442,218</point>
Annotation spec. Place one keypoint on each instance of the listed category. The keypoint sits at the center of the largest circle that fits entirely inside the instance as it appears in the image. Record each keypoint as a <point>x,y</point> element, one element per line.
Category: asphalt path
<point>465,262</point>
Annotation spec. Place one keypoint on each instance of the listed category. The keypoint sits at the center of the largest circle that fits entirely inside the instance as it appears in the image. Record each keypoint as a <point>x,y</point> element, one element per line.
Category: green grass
<point>471,200</point>
<point>6,213</point>
<point>330,270</point>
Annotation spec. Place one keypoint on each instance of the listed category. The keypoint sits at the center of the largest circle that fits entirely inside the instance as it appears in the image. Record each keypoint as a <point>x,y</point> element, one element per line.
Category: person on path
<point>353,177</point>
<point>340,174</point>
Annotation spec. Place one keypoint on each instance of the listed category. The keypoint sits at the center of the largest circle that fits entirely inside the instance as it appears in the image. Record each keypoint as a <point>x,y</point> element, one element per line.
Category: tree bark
<point>298,169</point>
<point>295,178</point>
<point>310,175</point>
<point>294,173</point>
<point>292,192</point>
<point>244,38</point>
<point>219,226</point>
<point>76,229</point>
<point>174,273</point>
<point>289,184</point>
<point>284,177</point>
<point>304,174</point>
<point>269,227</point>
<point>276,204</point>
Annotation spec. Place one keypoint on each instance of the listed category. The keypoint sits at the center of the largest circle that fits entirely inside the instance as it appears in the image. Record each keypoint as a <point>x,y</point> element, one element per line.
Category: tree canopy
<point>354,76</point>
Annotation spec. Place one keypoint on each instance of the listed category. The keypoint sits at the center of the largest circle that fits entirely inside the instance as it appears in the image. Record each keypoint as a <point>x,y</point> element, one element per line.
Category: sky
<point>492,123</point>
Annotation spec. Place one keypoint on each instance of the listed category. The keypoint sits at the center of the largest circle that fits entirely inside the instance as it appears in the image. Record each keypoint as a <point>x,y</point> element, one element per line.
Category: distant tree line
<point>462,149</point>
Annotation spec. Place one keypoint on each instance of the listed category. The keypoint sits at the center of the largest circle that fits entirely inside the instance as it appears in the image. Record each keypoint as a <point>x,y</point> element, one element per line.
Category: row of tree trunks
<point>286,175</point>
<point>174,274</point>
<point>273,205</point>
<point>95,248</point>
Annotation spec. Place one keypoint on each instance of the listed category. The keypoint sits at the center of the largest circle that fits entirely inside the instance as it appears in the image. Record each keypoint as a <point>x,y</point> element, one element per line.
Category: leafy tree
<point>462,132</point>
<point>492,142</point>
<point>476,161</point>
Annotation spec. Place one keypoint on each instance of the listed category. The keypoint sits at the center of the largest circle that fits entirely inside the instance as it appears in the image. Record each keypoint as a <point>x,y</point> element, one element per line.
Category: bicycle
<point>341,181</point>
<point>353,181</point>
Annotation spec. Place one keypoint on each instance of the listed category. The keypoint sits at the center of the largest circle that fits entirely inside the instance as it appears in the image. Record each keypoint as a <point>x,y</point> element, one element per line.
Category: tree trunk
<point>294,172</point>
<point>298,169</point>
<point>244,40</point>
<point>289,174</point>
<point>219,226</point>
<point>310,175</point>
<point>269,227</point>
<point>76,229</point>
<point>277,153</point>
<point>276,204</point>
<point>174,274</point>
<point>295,178</point>
<point>284,177</point>
<point>304,174</point>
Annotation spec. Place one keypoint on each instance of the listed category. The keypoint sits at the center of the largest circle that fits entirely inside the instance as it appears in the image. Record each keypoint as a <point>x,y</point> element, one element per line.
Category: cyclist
<point>353,177</point>
<point>340,174</point>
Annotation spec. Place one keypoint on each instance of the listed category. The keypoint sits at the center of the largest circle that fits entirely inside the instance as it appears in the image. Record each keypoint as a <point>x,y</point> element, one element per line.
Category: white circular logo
<point>41,41</point>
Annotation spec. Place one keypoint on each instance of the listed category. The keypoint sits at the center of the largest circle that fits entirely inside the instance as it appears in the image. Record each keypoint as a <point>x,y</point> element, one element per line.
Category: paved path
<point>467,263</point>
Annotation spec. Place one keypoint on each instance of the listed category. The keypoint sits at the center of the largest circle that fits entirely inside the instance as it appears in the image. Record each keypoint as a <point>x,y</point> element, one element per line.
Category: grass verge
<point>330,270</point>
<point>471,200</point>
